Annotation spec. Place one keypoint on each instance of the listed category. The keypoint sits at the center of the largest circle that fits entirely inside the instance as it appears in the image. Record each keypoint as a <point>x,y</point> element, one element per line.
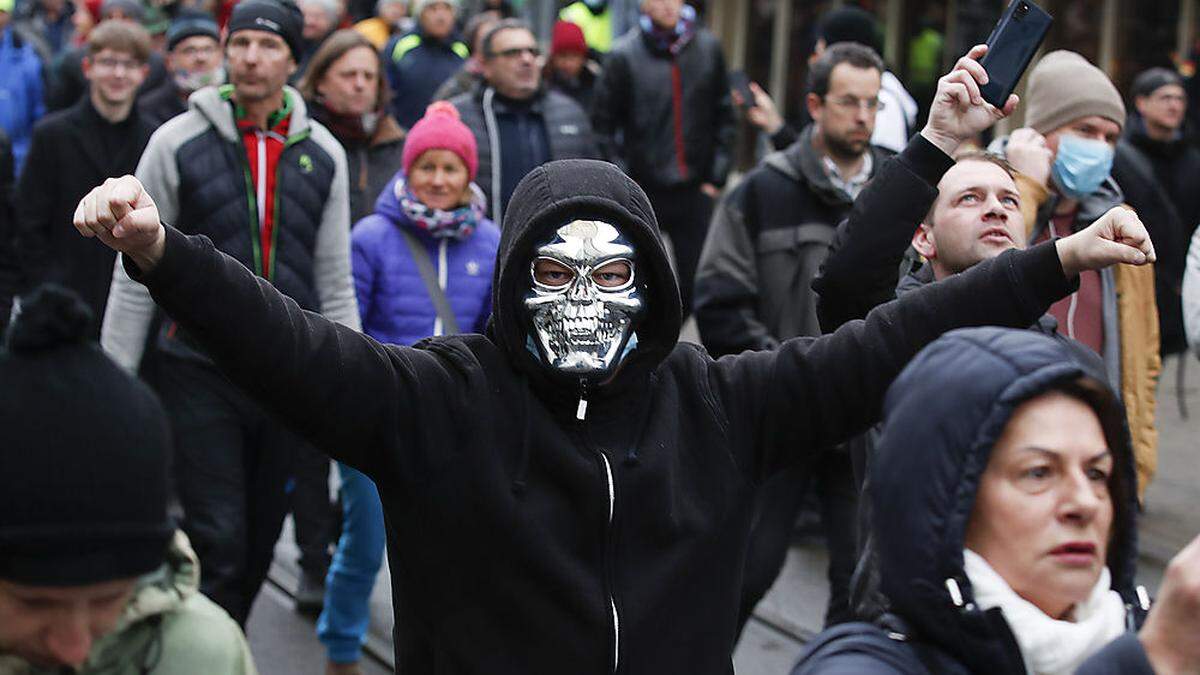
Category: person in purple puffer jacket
<point>430,215</point>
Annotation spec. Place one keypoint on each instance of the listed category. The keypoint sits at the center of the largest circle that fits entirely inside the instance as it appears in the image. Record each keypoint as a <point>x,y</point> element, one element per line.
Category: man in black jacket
<point>662,112</point>
<point>518,123</point>
<point>72,150</point>
<point>753,288</point>
<point>574,489</point>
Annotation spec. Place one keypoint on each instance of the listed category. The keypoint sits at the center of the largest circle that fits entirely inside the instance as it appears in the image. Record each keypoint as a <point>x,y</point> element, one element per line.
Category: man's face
<point>512,66</point>
<point>977,216</point>
<point>1092,127</point>
<point>52,627</point>
<point>259,64</point>
<point>114,76</point>
<point>568,64</point>
<point>437,20</point>
<point>846,115</point>
<point>351,84</point>
<point>1043,514</point>
<point>1164,108</point>
<point>663,13</point>
<point>197,54</point>
<point>317,22</point>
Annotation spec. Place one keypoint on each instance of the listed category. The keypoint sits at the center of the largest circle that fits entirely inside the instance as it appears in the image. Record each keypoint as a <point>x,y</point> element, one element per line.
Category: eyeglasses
<point>856,104</point>
<point>112,65</point>
<point>518,51</point>
<point>194,51</point>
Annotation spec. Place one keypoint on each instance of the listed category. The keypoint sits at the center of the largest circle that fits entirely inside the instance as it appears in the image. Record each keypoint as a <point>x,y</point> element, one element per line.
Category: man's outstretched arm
<point>351,396</point>
<point>814,393</point>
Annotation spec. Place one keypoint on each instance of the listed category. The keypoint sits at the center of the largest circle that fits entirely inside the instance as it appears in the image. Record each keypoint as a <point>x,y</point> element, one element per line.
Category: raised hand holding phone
<point>959,112</point>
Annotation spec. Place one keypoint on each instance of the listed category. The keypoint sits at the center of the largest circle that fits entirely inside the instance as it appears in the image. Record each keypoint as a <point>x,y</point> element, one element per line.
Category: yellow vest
<point>597,30</point>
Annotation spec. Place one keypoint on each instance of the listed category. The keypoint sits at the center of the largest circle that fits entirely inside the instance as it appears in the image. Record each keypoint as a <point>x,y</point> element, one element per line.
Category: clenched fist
<point>122,215</point>
<point>1116,237</point>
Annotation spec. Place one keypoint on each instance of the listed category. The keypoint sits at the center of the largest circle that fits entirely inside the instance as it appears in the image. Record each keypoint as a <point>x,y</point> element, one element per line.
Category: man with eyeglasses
<point>248,168</point>
<point>519,124</point>
<point>99,137</point>
<point>768,238</point>
<point>194,60</point>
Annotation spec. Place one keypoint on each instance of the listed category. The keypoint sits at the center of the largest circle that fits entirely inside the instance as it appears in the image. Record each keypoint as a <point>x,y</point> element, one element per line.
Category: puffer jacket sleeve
<point>331,254</point>
<point>790,404</point>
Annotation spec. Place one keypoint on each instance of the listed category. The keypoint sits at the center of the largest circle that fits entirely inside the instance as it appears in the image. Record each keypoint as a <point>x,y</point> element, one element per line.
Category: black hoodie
<point>942,418</point>
<point>525,540</point>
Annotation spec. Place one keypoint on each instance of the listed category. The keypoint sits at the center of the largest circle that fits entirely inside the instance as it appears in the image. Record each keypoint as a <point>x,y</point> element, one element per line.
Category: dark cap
<point>190,23</point>
<point>281,17</point>
<point>1148,81</point>
<point>85,456</point>
<point>850,24</point>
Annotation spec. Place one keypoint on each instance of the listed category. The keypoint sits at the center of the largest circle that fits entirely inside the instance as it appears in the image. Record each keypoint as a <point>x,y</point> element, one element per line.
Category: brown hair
<point>984,156</point>
<point>335,47</point>
<point>120,36</point>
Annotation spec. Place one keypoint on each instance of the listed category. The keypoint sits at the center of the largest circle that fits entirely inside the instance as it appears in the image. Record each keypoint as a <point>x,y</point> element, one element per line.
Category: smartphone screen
<point>739,82</point>
<point>1011,47</point>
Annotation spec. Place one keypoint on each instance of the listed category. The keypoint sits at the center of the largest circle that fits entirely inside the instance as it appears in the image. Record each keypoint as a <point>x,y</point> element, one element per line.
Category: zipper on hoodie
<point>611,487</point>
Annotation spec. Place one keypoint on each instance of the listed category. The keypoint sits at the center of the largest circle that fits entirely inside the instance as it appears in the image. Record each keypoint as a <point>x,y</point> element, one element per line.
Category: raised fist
<point>121,214</point>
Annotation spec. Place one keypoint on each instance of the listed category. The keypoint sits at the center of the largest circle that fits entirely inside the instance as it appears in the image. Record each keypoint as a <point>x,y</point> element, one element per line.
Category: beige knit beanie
<point>1064,86</point>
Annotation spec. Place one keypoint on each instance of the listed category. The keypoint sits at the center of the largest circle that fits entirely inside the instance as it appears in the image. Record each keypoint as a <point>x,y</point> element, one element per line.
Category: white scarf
<point>1050,646</point>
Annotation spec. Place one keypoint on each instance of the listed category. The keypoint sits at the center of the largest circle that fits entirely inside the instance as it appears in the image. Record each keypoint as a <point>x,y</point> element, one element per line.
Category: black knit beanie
<point>281,17</point>
<point>191,23</point>
<point>850,24</point>
<point>84,456</point>
<point>1149,81</point>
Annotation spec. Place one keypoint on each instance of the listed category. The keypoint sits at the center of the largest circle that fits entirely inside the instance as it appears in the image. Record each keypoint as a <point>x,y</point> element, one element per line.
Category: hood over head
<point>942,417</point>
<point>550,196</point>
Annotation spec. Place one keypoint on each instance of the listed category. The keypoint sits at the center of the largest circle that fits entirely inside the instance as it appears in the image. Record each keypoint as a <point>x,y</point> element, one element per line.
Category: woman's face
<point>351,85</point>
<point>1043,513</point>
<point>439,180</point>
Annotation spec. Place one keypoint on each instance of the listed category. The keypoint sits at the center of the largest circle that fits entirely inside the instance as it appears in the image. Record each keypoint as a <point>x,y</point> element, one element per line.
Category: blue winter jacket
<point>20,92</point>
<point>392,299</point>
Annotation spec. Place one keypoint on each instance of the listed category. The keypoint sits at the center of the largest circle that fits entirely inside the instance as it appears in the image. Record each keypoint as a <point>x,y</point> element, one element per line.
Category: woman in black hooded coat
<point>943,417</point>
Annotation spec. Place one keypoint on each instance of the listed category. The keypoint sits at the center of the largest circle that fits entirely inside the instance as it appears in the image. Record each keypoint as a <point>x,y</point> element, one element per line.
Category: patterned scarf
<point>458,224</point>
<point>671,40</point>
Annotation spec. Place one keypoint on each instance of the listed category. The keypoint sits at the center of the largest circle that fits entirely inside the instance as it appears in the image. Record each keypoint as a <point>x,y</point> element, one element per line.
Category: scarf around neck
<point>458,224</point>
<point>1050,646</point>
<point>671,40</point>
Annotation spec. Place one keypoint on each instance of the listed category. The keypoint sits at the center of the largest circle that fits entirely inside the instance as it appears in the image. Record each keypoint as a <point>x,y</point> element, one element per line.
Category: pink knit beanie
<point>441,129</point>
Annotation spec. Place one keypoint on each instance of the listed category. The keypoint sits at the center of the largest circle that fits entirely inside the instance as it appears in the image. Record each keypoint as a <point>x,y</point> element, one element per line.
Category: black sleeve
<point>9,275</point>
<point>34,211</point>
<point>609,108</point>
<point>784,137</point>
<point>861,269</point>
<point>813,393</point>
<point>726,126</point>
<point>352,397</point>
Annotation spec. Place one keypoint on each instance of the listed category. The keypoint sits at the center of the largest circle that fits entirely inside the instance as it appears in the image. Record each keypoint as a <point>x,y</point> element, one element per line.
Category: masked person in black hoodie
<point>1004,519</point>
<point>573,489</point>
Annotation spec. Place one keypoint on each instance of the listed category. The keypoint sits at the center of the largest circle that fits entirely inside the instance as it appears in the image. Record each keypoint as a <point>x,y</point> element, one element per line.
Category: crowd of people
<point>239,239</point>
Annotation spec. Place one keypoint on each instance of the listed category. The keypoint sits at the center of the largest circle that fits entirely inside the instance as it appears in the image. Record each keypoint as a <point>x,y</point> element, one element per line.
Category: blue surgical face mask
<point>1081,165</point>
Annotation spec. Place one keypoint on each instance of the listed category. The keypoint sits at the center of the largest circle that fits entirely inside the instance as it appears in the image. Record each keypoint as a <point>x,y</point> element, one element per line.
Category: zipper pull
<point>581,410</point>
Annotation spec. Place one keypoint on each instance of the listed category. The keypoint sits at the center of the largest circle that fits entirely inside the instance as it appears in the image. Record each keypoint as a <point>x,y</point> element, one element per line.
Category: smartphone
<point>1011,47</point>
<point>739,82</point>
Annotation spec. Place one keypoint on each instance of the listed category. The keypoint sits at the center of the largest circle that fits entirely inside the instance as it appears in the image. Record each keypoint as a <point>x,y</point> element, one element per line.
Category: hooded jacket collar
<point>553,195</point>
<point>212,104</point>
<point>942,417</point>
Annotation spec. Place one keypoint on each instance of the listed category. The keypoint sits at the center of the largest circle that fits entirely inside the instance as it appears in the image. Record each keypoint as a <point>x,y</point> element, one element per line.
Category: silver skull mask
<point>583,299</point>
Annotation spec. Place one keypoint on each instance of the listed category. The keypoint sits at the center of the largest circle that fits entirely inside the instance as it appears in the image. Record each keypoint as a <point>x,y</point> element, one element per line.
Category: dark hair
<point>505,24</point>
<point>859,56</point>
<point>485,19</point>
<point>120,36</point>
<point>850,24</point>
<point>335,47</point>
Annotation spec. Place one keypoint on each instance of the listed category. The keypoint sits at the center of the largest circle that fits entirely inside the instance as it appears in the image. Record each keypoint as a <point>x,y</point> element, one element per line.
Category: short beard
<point>846,150</point>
